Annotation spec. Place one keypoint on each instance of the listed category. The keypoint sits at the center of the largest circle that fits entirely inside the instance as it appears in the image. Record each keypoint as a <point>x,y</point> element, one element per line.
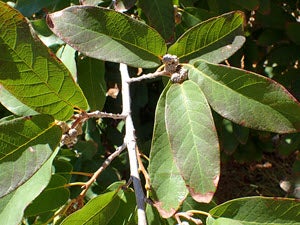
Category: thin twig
<point>143,170</point>
<point>81,173</point>
<point>187,215</point>
<point>148,76</point>
<point>99,114</point>
<point>87,185</point>
<point>130,141</point>
<point>74,184</point>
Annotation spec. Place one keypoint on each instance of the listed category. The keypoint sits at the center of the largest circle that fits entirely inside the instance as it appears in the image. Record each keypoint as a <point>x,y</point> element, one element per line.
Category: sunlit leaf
<point>99,210</point>
<point>166,181</point>
<point>193,139</point>
<point>256,211</point>
<point>108,35</point>
<point>20,155</point>
<point>247,98</point>
<point>13,204</point>
<point>31,73</point>
<point>214,40</point>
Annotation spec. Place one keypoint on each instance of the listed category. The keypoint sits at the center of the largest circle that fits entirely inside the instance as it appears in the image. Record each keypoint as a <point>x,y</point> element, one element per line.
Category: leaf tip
<point>163,212</point>
<point>206,197</point>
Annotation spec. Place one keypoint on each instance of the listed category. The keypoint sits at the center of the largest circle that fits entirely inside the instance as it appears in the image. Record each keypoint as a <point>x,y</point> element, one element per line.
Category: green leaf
<point>293,32</point>
<point>27,8</point>
<point>221,221</point>
<point>12,205</point>
<point>214,40</point>
<point>166,181</point>
<point>153,217</point>
<point>126,209</point>
<point>63,168</point>
<point>259,210</point>
<point>67,55</point>
<point>20,155</point>
<point>91,79</point>
<point>193,139</point>
<point>192,15</point>
<point>160,15</point>
<point>99,210</point>
<point>14,105</point>
<point>40,26</point>
<point>31,74</point>
<point>54,196</point>
<point>108,35</point>
<point>247,98</point>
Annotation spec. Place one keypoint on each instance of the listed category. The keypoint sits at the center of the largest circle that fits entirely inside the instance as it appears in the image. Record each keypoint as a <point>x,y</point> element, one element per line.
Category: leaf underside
<point>247,98</point>
<point>193,139</point>
<point>166,181</point>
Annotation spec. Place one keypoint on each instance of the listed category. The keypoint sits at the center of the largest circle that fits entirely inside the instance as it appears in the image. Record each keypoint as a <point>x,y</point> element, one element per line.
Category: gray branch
<point>130,141</point>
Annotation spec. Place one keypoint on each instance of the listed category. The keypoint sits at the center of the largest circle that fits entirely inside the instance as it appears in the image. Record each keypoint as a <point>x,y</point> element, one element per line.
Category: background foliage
<point>252,162</point>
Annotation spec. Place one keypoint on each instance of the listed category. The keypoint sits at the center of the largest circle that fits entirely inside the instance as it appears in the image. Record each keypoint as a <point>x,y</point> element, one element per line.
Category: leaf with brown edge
<point>193,139</point>
<point>166,181</point>
<point>247,98</point>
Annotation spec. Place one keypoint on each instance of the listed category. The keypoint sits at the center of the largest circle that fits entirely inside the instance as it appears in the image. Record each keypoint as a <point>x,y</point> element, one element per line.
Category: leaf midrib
<point>36,74</point>
<point>233,90</point>
<point>28,141</point>
<point>119,40</point>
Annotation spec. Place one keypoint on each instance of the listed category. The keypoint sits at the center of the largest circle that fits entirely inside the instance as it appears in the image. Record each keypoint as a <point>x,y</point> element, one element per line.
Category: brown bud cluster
<point>172,66</point>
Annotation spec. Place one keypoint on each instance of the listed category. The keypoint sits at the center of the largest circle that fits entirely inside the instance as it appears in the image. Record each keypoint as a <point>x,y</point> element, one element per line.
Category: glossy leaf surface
<point>160,15</point>
<point>31,73</point>
<point>247,98</point>
<point>13,204</point>
<point>166,181</point>
<point>20,155</point>
<point>99,210</point>
<point>91,79</point>
<point>193,139</point>
<point>214,40</point>
<point>108,35</point>
<point>256,211</point>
